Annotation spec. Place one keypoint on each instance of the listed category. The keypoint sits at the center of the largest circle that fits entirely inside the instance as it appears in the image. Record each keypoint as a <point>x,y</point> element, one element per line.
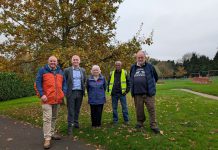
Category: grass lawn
<point>188,121</point>
<point>211,88</point>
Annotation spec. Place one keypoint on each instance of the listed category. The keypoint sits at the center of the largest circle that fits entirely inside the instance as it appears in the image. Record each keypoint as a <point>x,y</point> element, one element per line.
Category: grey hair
<point>52,57</point>
<point>141,52</point>
<point>95,66</point>
<point>118,62</point>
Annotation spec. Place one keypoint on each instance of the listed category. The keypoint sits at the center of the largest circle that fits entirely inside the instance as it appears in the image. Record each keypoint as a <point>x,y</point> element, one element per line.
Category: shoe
<point>47,144</point>
<point>126,122</point>
<point>138,126</point>
<point>96,126</point>
<point>156,130</point>
<point>115,123</point>
<point>69,130</point>
<point>76,126</point>
<point>56,137</point>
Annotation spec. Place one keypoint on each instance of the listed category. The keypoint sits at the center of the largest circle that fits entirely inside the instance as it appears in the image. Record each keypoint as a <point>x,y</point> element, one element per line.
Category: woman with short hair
<point>96,87</point>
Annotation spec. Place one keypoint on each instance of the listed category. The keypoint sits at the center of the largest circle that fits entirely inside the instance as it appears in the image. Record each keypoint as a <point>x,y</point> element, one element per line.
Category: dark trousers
<point>149,102</point>
<point>96,113</point>
<point>74,103</point>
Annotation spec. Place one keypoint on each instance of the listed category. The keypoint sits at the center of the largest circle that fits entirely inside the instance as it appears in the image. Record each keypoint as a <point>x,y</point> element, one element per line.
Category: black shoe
<point>56,137</point>
<point>69,130</point>
<point>138,126</point>
<point>156,130</point>
<point>126,123</point>
<point>115,123</point>
<point>76,126</point>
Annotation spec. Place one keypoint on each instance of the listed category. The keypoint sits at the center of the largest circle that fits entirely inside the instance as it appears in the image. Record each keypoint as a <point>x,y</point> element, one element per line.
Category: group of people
<point>53,85</point>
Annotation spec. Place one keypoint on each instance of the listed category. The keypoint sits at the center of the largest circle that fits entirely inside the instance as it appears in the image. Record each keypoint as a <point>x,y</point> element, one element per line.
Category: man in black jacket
<point>75,78</point>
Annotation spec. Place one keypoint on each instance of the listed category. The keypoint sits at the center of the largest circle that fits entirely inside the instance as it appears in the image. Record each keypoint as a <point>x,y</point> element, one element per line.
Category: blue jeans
<point>115,99</point>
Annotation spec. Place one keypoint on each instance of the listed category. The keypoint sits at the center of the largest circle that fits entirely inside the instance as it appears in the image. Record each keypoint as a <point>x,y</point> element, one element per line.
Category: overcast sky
<point>180,26</point>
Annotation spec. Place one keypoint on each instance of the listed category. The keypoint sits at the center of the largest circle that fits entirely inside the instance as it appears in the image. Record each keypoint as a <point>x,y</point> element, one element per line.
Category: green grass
<point>188,121</point>
<point>211,88</point>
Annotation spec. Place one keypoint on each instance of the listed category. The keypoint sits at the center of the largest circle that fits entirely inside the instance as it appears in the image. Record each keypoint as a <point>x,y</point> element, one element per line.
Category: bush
<point>13,86</point>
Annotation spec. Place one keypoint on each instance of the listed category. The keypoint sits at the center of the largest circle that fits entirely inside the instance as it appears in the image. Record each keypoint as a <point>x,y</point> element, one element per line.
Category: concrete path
<point>16,135</point>
<point>200,94</point>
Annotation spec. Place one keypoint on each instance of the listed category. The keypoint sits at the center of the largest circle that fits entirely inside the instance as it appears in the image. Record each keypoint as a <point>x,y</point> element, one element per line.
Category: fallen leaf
<point>75,138</point>
<point>172,139</point>
<point>161,132</point>
<point>129,130</point>
<point>126,136</point>
<point>9,139</point>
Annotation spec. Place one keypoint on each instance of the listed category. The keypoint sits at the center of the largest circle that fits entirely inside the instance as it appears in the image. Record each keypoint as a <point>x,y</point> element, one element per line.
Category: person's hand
<point>44,98</point>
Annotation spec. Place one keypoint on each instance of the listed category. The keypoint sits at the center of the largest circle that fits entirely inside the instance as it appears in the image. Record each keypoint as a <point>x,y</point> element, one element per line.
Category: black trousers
<point>96,113</point>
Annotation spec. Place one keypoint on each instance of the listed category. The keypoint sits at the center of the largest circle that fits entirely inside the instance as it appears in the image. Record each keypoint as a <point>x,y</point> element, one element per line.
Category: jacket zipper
<point>56,93</point>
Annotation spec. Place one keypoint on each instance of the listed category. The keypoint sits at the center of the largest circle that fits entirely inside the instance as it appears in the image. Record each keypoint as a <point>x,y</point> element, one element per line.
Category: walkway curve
<point>198,93</point>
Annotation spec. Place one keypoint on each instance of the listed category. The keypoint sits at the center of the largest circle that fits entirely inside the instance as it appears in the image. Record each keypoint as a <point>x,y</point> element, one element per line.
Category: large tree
<point>180,71</point>
<point>166,69</point>
<point>36,29</point>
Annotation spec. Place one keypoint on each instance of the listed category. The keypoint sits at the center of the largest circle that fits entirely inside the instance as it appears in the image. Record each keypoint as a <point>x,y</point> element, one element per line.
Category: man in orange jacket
<point>51,86</point>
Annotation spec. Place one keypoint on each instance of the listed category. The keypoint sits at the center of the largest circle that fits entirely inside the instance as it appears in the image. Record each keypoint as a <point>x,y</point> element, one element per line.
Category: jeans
<point>74,103</point>
<point>115,99</point>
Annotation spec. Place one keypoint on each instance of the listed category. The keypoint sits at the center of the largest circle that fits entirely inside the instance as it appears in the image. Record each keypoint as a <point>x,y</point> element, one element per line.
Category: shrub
<point>13,86</point>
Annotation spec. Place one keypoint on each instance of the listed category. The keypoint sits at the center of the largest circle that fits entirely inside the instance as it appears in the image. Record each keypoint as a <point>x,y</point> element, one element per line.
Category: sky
<point>180,26</point>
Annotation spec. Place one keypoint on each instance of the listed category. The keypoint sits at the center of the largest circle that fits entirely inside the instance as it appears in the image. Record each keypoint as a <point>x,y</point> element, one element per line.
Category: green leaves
<point>12,86</point>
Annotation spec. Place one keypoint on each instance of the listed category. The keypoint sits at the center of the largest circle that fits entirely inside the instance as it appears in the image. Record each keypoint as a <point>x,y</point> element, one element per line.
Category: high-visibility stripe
<point>122,79</point>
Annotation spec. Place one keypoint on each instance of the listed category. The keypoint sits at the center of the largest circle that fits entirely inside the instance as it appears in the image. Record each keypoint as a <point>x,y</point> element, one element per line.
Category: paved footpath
<point>200,94</point>
<point>16,135</point>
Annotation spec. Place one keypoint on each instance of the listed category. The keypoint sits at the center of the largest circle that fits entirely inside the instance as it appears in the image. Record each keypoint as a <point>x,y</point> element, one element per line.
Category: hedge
<point>12,86</point>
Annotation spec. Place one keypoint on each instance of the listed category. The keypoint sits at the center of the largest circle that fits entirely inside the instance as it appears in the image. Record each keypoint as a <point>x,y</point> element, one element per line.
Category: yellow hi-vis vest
<point>122,79</point>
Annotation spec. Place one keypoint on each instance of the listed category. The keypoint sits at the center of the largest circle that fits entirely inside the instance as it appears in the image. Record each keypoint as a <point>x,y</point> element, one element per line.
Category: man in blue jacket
<point>143,79</point>
<point>51,88</point>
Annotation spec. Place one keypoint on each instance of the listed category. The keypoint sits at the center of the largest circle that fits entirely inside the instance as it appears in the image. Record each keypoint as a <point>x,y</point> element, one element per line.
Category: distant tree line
<point>192,64</point>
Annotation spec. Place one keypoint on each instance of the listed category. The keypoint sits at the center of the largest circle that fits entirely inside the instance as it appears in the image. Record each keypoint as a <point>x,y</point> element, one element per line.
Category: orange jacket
<point>52,84</point>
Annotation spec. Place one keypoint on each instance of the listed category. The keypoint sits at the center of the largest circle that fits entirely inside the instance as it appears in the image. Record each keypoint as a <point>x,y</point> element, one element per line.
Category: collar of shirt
<point>118,71</point>
<point>52,68</point>
<point>75,68</point>
<point>140,65</point>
